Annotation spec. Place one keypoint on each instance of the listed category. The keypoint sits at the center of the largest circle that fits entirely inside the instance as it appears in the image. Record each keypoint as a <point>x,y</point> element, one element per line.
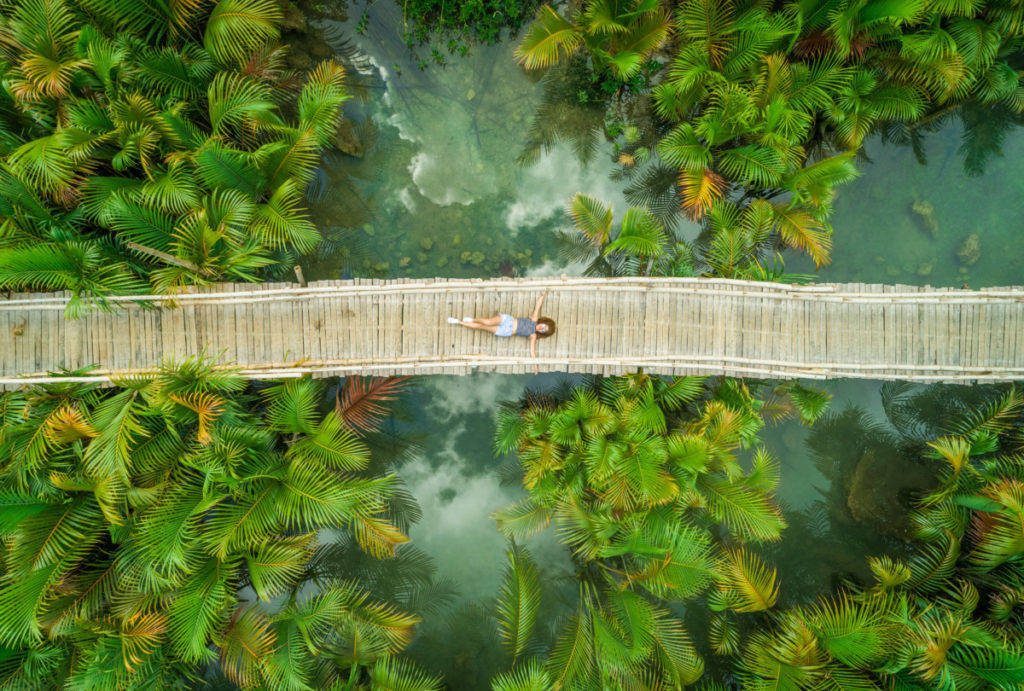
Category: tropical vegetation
<point>756,110</point>
<point>145,147</point>
<point>641,475</point>
<point>949,616</point>
<point>174,526</point>
<point>188,528</point>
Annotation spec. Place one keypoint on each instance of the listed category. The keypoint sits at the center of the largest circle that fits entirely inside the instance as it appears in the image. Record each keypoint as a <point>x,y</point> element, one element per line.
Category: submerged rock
<point>292,17</point>
<point>880,483</point>
<point>346,140</point>
<point>320,50</point>
<point>299,61</point>
<point>925,213</point>
<point>970,250</point>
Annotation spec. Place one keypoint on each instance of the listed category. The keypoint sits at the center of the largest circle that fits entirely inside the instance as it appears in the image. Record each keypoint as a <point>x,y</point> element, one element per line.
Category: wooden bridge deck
<point>605,326</point>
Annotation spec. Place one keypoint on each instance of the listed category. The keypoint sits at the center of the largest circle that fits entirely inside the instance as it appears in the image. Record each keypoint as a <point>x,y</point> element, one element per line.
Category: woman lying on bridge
<point>505,325</point>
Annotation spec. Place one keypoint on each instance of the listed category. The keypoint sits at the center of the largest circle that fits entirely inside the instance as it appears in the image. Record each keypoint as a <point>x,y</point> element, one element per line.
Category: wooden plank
<point>725,322</point>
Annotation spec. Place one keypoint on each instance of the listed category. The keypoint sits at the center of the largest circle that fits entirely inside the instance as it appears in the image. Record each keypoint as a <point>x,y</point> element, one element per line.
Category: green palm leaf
<point>236,28</point>
<point>140,224</point>
<point>43,163</point>
<point>571,663</point>
<point>277,564</point>
<point>800,230</point>
<point>520,521</point>
<point>529,677</point>
<point>744,511</point>
<point>640,235</point>
<point>234,100</point>
<point>280,221</point>
<point>643,37</point>
<point>591,217</point>
<point>673,650</point>
<point>548,40</point>
<point>221,166</point>
<point>199,610</point>
<point>243,520</point>
<point>856,634</point>
<point>320,101</point>
<point>748,584</point>
<point>753,165</point>
<point>394,674</point>
<point>246,644</point>
<point>331,446</point>
<point>292,405</point>
<point>683,149</point>
<point>518,601</point>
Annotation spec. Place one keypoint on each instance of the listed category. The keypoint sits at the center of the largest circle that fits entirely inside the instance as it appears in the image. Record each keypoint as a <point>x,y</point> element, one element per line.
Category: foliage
<point>618,36</point>
<point>949,617</point>
<point>758,109</point>
<point>642,477</point>
<point>643,245</point>
<point>159,146</point>
<point>134,519</point>
<point>612,639</point>
<point>458,26</point>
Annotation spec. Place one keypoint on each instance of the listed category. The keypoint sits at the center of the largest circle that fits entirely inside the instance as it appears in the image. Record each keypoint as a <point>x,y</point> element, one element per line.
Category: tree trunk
<point>169,258</point>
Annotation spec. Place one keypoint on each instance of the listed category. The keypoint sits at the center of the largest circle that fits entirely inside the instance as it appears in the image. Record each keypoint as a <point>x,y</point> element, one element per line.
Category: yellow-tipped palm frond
<point>236,28</point>
<point>748,584</point>
<point>207,406</point>
<point>549,39</point>
<point>700,189</point>
<point>800,230</point>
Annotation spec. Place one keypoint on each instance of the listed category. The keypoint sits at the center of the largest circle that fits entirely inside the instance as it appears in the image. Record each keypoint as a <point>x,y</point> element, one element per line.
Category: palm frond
<point>591,217</point>
<point>549,39</point>
<point>518,601</point>
<point>800,230</point>
<point>358,402</point>
<point>236,28</point>
<point>395,674</point>
<point>748,583</point>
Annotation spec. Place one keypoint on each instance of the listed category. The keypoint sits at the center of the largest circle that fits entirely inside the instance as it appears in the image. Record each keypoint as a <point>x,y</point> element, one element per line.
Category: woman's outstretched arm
<point>540,301</point>
<point>533,352</point>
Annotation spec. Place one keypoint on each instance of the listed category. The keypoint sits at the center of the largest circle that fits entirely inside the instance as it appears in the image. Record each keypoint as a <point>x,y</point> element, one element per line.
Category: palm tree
<point>612,638</point>
<point>642,477</point>
<point>136,518</point>
<point>947,617</point>
<point>153,157</point>
<point>765,103</point>
<point>617,35</point>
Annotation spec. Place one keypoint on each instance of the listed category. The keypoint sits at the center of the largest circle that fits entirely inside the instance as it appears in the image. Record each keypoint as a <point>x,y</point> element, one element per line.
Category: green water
<point>438,191</point>
<point>880,239</point>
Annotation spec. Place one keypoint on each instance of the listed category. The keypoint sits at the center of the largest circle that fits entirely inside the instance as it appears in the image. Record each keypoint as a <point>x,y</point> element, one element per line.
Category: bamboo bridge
<point>605,326</point>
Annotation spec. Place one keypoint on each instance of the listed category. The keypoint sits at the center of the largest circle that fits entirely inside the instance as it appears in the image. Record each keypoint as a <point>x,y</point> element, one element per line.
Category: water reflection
<point>869,455</point>
<point>426,180</point>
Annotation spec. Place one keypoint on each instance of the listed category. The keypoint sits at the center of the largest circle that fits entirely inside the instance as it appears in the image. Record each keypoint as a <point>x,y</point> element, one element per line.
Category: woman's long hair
<point>551,327</point>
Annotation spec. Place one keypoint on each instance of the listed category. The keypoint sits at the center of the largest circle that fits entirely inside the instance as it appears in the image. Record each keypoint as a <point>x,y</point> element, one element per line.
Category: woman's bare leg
<point>485,321</point>
<point>475,324</point>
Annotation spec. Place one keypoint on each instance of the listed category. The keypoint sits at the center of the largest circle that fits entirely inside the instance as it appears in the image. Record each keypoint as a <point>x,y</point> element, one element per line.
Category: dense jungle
<point>190,528</point>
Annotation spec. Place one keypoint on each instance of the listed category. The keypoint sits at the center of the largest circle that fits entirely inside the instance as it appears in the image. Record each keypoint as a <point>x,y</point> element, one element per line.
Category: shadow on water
<point>870,458</point>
